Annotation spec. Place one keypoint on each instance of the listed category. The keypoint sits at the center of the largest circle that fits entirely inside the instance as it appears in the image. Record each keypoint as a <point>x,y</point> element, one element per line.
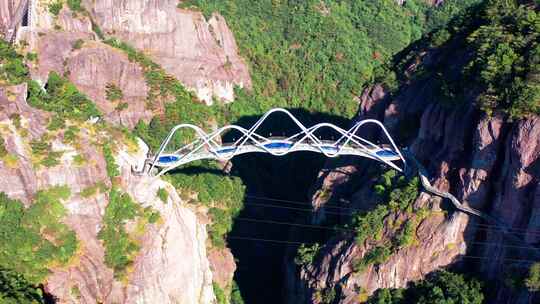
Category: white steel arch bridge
<point>209,145</point>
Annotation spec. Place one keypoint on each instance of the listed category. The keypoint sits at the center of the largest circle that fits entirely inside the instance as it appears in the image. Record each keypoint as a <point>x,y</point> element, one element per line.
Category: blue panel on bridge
<point>386,153</point>
<point>226,150</point>
<point>168,159</point>
<point>277,145</point>
<point>329,148</point>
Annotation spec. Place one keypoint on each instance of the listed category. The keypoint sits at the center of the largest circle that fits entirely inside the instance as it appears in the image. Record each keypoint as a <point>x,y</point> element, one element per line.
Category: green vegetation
<point>97,30</point>
<point>42,152</point>
<point>113,92</point>
<point>78,44</point>
<point>112,167</point>
<point>90,191</point>
<point>23,245</point>
<point>56,123</point>
<point>377,255</point>
<point>70,135</point>
<point>506,64</point>
<point>325,296</point>
<point>221,298</point>
<point>12,68</point>
<point>16,119</point>
<point>370,224</point>
<point>61,97</point>
<point>14,288</point>
<point>236,295</point>
<point>532,282</point>
<point>121,106</point>
<point>306,254</point>
<point>396,195</point>
<point>165,87</point>
<point>442,287</point>
<point>55,7</point>
<point>501,65</point>
<point>121,247</point>
<point>224,194</point>
<point>3,150</point>
<point>30,56</point>
<point>75,5</point>
<point>160,83</point>
<point>318,55</point>
<point>163,195</point>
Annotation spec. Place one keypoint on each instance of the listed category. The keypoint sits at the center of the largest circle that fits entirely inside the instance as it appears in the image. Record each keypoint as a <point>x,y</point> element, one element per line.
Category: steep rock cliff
<point>488,162</point>
<point>172,251</point>
<point>200,53</point>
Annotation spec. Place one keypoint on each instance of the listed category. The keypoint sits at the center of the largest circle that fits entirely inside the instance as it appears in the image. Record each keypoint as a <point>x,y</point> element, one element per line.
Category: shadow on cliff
<point>277,191</point>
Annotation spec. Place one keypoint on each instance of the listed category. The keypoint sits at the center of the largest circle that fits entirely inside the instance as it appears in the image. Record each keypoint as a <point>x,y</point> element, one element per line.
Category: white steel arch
<point>209,146</point>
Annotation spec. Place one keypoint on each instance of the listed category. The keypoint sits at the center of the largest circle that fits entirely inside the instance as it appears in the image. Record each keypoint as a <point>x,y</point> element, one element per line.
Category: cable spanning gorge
<point>209,146</point>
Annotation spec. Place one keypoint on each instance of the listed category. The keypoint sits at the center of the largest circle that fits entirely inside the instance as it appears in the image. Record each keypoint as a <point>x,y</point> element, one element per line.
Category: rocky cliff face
<point>200,53</point>
<point>172,264</point>
<point>488,162</point>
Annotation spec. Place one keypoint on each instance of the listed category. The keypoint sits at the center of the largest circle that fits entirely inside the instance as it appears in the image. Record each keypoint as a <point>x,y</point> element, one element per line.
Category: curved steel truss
<point>209,146</point>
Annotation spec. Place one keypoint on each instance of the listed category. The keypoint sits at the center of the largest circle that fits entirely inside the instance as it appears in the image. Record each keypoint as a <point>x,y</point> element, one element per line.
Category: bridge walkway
<point>511,236</point>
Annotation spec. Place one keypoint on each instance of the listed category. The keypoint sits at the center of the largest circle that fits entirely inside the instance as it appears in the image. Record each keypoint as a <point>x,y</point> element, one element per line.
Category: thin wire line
<point>293,224</point>
<point>533,231</point>
<point>353,231</point>
<point>267,240</point>
<point>292,208</point>
<point>300,243</point>
<point>306,203</point>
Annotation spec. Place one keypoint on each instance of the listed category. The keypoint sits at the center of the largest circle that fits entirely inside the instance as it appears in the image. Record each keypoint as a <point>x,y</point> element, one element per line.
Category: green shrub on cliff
<point>121,246</point>
<point>442,287</point>
<point>61,97</point>
<point>55,7</point>
<point>377,255</point>
<point>396,195</point>
<point>12,68</point>
<point>224,194</point>
<point>23,248</point>
<point>112,167</point>
<point>306,254</point>
<point>532,282</point>
<point>113,92</point>
<point>163,195</point>
<point>3,150</point>
<point>75,5</point>
<point>14,288</point>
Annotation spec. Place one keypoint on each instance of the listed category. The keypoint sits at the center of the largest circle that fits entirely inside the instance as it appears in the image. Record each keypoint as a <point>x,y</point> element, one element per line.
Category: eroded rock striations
<point>200,53</point>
